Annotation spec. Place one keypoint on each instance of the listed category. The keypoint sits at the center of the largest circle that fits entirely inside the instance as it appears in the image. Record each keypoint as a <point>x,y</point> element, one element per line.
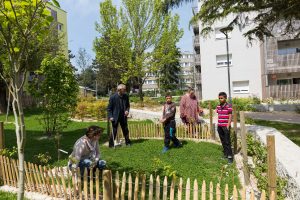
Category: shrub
<point>42,158</point>
<point>242,104</point>
<point>11,153</point>
<point>91,109</point>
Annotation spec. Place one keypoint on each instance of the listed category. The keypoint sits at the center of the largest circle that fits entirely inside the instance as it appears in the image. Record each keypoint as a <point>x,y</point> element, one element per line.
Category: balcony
<point>196,29</point>
<point>197,60</point>
<point>198,79</point>
<point>289,91</point>
<point>196,42</point>
<point>283,55</point>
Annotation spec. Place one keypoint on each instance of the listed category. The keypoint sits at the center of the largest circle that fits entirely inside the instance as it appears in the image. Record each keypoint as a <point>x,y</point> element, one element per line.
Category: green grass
<point>201,161</point>
<point>8,196</point>
<point>292,131</point>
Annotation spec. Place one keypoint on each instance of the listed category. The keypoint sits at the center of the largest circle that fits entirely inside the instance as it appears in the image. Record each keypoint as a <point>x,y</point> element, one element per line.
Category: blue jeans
<point>86,163</point>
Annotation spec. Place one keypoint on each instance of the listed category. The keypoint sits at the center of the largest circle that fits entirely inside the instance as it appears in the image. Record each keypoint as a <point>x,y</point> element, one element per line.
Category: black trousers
<point>170,133</point>
<point>224,135</point>
<point>123,123</point>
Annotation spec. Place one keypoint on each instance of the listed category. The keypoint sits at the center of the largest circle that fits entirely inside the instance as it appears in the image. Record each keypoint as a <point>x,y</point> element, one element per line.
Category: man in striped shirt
<point>224,111</point>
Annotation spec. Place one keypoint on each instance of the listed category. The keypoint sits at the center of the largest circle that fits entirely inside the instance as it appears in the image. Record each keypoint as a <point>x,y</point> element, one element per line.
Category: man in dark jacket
<point>118,110</point>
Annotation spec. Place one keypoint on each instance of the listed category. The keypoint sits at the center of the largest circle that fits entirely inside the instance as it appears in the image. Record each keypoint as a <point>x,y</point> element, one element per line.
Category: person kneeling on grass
<point>168,120</point>
<point>86,151</point>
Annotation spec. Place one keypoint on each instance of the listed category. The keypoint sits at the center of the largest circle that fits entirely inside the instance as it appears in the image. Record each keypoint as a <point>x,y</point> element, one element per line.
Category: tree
<point>24,29</point>
<point>58,91</point>
<point>113,47</point>
<point>268,15</point>
<point>169,74</point>
<point>166,55</point>
<point>87,77</point>
<point>83,60</point>
<point>130,37</point>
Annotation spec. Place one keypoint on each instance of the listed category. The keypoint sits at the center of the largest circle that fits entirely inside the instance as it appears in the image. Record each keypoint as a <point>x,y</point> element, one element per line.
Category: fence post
<point>244,148</point>
<point>211,125</point>
<point>271,164</point>
<point>2,138</point>
<point>234,130</point>
<point>107,185</point>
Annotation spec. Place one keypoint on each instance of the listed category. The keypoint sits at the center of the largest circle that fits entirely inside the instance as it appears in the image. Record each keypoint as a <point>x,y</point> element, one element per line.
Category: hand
<point>162,120</point>
<point>126,113</point>
<point>228,126</point>
<point>111,119</point>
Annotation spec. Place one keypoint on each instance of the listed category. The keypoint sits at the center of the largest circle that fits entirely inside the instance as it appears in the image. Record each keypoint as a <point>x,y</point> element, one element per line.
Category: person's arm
<point>110,108</point>
<point>229,116</point>
<point>171,114</point>
<point>182,106</point>
<point>127,103</point>
<point>97,151</point>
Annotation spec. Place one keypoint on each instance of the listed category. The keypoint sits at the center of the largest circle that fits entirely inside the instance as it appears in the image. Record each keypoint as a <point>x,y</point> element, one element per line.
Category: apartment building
<point>186,76</point>
<point>261,69</point>
<point>281,67</point>
<point>60,20</point>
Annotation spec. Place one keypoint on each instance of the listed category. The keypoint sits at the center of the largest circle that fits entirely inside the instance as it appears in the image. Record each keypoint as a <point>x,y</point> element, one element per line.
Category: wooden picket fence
<point>62,183</point>
<point>145,131</point>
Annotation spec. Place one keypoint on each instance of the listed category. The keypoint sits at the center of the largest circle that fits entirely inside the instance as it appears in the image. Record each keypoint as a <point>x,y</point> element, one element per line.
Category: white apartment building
<point>186,77</point>
<point>261,69</point>
<point>244,59</point>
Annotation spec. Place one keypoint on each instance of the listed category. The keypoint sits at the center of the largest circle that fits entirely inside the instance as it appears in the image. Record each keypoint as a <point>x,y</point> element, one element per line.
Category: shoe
<point>128,145</point>
<point>178,145</point>
<point>230,160</point>
<point>165,149</point>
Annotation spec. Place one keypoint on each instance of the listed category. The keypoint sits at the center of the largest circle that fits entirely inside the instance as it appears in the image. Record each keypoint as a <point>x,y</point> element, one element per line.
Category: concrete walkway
<point>275,116</point>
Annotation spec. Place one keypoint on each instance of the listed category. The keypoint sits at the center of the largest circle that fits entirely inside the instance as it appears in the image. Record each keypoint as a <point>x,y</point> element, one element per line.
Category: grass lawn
<point>194,160</point>
<point>8,196</point>
<point>292,131</point>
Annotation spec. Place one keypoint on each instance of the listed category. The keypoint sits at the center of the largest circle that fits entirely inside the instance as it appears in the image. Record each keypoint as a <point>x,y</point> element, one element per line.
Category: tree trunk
<point>3,103</point>
<point>141,95</point>
<point>17,105</point>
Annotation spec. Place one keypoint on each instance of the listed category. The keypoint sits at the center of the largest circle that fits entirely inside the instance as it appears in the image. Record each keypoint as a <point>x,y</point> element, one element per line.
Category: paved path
<point>275,116</point>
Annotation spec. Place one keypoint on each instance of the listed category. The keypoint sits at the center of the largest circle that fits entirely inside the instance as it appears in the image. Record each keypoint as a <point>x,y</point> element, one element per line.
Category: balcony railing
<point>196,42</point>
<point>198,79</point>
<point>290,91</point>
<point>197,60</point>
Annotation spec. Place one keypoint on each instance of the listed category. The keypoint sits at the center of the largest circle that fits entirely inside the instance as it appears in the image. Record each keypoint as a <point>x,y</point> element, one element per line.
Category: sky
<point>83,15</point>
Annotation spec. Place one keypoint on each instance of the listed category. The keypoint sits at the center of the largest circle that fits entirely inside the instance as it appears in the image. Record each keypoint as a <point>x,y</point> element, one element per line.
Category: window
<point>288,47</point>
<point>59,27</point>
<point>296,80</point>
<point>222,60</point>
<point>219,35</point>
<point>240,87</point>
<point>284,81</point>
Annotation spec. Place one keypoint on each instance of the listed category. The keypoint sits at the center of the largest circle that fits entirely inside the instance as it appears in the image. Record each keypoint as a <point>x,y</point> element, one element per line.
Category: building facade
<point>186,76</point>
<point>281,68</point>
<point>60,21</point>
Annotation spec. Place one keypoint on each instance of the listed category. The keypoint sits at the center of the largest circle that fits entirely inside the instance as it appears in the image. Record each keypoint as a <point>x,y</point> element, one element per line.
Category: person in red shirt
<point>224,111</point>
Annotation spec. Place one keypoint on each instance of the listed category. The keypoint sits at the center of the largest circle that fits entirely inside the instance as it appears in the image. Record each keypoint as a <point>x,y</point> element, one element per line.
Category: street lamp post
<point>225,31</point>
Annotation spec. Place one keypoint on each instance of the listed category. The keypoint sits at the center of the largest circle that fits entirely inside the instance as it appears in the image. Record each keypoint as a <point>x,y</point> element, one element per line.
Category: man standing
<point>189,108</point>
<point>118,110</point>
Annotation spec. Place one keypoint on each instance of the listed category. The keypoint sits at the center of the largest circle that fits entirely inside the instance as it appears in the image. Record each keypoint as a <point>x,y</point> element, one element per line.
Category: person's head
<point>191,92</point>
<point>121,89</point>
<point>94,132</point>
<point>222,97</point>
<point>168,98</point>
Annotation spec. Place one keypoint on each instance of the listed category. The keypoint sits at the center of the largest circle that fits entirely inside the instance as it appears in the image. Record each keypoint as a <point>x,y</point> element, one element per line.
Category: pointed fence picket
<point>63,183</point>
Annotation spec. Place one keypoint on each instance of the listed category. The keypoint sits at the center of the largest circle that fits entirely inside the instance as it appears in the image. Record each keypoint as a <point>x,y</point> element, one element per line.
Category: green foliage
<point>242,104</point>
<point>57,91</point>
<point>265,16</point>
<point>9,152</point>
<point>135,40</point>
<point>91,109</point>
<point>259,154</point>
<point>42,158</point>
<point>163,168</point>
